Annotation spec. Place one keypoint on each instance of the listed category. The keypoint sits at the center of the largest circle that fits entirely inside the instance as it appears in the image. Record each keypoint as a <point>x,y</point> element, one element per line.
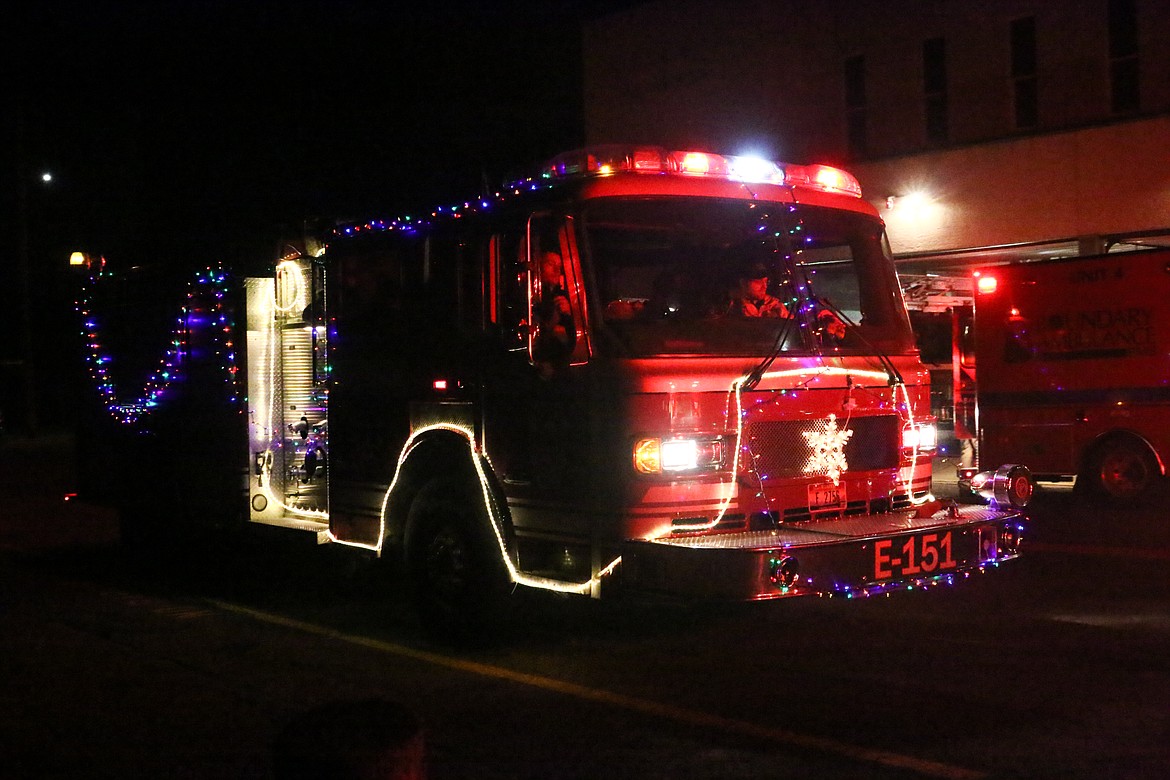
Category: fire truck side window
<point>452,281</point>
<point>368,292</point>
<point>532,301</point>
<point>553,327</point>
<point>510,273</point>
<point>440,286</point>
<point>471,284</point>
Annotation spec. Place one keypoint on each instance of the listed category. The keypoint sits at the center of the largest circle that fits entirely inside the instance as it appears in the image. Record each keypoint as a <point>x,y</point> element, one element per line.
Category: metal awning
<point>936,281</point>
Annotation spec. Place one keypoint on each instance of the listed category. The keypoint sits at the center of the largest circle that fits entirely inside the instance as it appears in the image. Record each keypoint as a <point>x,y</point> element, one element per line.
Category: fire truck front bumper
<point>851,556</point>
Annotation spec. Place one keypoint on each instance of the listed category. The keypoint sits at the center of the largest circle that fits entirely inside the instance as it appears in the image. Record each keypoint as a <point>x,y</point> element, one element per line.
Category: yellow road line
<point>683,715</point>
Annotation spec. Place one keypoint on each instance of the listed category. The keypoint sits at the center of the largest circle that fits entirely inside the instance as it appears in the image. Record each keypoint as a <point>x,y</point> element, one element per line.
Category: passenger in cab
<point>751,297</point>
<point>557,334</point>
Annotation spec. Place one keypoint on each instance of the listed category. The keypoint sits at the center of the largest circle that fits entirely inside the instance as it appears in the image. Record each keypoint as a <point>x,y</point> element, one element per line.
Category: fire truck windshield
<point>735,277</point>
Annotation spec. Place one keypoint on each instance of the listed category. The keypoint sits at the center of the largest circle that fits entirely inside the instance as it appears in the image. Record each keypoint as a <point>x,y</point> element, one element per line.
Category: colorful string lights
<point>205,307</point>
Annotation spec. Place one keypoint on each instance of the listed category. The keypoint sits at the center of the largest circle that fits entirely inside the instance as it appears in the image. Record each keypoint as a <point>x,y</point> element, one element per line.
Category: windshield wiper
<point>891,370</point>
<point>756,374</point>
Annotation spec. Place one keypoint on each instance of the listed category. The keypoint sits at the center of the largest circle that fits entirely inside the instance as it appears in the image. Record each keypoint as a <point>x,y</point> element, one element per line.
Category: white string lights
<point>495,514</point>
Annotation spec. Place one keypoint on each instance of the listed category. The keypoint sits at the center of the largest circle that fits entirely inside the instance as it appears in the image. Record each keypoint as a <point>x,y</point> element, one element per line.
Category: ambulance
<point>1074,369</point>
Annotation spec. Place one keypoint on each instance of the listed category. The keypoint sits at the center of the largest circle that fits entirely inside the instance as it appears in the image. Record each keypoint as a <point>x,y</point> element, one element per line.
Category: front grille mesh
<point>778,449</point>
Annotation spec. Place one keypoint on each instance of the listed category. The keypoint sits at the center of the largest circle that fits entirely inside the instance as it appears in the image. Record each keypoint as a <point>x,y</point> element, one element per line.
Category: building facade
<point>1004,129</point>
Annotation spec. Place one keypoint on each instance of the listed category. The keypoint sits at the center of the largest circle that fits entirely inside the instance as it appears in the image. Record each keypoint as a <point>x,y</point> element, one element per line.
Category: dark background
<point>199,133</point>
<point>178,128</point>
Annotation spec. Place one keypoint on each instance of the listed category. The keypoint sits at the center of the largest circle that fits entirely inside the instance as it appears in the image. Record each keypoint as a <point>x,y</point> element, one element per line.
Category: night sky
<point>181,131</point>
<point>184,134</point>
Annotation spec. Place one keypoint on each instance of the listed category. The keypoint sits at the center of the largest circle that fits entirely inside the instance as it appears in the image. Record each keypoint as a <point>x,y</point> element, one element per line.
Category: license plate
<point>826,496</point>
<point>921,555</point>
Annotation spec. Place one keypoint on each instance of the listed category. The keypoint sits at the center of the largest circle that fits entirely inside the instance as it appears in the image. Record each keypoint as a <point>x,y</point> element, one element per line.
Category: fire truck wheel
<point>1121,468</point>
<point>457,572</point>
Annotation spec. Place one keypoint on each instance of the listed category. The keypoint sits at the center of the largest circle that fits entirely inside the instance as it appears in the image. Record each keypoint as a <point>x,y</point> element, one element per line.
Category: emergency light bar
<point>608,160</point>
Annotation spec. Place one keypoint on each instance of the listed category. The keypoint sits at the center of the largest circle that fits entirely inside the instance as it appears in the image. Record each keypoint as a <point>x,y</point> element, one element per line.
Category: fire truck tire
<point>459,580</point>
<point>1121,469</point>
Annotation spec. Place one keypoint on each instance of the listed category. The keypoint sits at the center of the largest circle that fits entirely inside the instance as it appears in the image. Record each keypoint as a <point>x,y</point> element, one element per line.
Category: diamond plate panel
<point>868,526</point>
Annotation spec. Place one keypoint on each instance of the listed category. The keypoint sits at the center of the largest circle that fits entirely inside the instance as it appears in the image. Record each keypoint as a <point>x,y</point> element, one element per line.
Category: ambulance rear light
<point>443,385</point>
<point>985,284</point>
<point>608,160</point>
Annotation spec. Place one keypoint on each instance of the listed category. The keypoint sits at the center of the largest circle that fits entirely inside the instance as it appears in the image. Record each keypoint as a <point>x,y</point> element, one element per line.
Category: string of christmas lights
<point>205,307</point>
<point>409,224</point>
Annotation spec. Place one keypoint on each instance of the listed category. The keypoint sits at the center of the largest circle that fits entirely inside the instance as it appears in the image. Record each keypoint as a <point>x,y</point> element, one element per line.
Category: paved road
<point>189,665</point>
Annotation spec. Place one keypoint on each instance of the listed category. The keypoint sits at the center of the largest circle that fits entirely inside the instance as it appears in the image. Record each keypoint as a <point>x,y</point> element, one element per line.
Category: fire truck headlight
<point>679,455</point>
<point>921,436</point>
<point>648,456</point>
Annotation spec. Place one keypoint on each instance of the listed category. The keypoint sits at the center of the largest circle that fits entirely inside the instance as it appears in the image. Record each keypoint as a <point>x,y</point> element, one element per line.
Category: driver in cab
<point>751,298</point>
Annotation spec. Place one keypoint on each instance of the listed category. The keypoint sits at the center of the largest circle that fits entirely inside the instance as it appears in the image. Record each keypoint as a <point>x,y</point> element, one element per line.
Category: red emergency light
<point>610,159</point>
<point>699,163</point>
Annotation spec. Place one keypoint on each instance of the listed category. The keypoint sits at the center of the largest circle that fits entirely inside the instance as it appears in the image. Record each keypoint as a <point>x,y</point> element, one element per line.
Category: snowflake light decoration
<point>828,450</point>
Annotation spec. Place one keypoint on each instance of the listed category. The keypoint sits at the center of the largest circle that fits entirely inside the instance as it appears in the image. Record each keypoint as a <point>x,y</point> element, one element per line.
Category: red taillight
<point>986,284</point>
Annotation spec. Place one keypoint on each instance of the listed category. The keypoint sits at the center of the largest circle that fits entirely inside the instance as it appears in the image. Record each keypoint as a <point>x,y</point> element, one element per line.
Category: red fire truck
<point>1074,368</point>
<point>560,386</point>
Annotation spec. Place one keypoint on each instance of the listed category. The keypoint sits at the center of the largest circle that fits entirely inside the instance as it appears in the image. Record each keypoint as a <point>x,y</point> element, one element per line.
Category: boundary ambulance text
<point>1073,365</point>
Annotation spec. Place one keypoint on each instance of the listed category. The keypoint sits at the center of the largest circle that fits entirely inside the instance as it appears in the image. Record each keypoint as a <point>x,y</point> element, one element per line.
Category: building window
<point>1024,82</point>
<point>934,83</point>
<point>855,106</point>
<point>1123,57</point>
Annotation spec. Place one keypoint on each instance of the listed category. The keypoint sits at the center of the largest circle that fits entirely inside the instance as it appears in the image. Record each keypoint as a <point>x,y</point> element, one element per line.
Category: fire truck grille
<point>781,450</point>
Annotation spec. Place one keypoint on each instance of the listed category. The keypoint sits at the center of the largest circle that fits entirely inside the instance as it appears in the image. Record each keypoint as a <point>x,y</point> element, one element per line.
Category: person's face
<point>550,269</point>
<point>756,288</point>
